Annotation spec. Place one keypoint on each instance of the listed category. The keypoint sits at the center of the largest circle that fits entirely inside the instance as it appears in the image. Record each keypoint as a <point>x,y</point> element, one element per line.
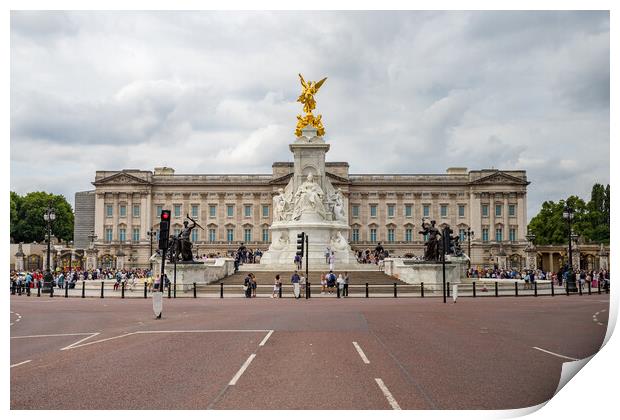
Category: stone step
<point>355,278</point>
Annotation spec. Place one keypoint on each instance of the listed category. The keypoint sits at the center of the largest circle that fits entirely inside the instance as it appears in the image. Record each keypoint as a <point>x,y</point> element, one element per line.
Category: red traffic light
<point>165,215</point>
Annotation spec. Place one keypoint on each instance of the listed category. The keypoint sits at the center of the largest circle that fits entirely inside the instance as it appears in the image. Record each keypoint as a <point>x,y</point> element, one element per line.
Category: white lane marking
<point>50,335</point>
<point>361,352</point>
<point>235,378</point>
<point>555,354</point>
<point>388,394</point>
<point>262,343</point>
<point>21,363</point>
<point>79,341</point>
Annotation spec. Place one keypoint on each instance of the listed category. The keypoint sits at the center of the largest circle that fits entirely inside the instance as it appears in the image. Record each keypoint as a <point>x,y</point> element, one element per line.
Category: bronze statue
<point>181,247</point>
<point>433,248</point>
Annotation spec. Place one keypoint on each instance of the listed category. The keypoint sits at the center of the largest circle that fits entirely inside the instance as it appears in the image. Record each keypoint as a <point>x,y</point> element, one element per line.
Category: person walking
<point>295,280</point>
<point>346,284</point>
<point>276,287</point>
<point>332,259</point>
<point>302,286</point>
<point>323,283</point>
<point>331,282</point>
<point>298,262</point>
<point>254,284</point>
<point>340,282</point>
<point>247,286</point>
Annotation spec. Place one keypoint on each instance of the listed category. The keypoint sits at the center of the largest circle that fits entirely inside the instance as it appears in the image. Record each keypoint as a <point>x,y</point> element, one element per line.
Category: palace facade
<point>388,208</point>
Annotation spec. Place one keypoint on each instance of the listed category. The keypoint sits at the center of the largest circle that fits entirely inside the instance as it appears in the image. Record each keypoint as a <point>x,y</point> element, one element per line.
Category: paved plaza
<point>490,353</point>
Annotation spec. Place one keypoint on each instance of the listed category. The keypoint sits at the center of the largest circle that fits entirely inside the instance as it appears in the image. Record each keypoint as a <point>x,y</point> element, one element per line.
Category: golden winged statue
<point>309,89</point>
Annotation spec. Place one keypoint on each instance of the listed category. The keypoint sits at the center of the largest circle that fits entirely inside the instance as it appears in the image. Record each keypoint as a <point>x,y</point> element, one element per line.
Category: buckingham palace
<point>117,222</point>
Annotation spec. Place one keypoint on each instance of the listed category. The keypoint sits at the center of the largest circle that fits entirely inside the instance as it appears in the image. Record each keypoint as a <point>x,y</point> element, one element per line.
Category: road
<point>354,353</point>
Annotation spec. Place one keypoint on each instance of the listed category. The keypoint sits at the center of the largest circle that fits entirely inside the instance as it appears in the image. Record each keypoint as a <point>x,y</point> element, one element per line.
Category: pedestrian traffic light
<point>301,240</point>
<point>164,229</point>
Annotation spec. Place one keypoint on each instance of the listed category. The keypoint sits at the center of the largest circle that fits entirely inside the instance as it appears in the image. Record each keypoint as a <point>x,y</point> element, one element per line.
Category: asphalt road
<point>483,353</point>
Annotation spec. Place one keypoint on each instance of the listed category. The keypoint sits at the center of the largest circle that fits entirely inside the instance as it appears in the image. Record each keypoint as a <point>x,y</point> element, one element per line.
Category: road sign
<point>158,304</point>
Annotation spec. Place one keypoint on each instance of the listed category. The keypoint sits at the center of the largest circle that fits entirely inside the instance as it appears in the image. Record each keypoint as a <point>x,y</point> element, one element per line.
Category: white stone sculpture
<point>279,206</point>
<point>309,198</point>
<point>339,213</point>
<point>282,241</point>
<point>338,241</point>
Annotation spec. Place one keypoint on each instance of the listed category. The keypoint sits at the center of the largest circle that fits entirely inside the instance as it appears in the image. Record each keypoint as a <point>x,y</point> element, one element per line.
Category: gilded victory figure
<point>309,89</point>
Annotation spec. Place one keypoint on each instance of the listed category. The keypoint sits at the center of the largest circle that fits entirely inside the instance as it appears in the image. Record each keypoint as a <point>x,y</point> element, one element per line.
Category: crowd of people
<point>584,277</point>
<point>329,282</point>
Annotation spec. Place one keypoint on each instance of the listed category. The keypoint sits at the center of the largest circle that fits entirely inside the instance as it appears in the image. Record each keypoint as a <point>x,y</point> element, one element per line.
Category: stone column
<point>91,258</point>
<point>19,258</point>
<point>120,260</point>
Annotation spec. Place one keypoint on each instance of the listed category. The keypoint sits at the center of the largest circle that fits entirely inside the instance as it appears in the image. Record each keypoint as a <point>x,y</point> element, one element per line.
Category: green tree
<point>27,223</point>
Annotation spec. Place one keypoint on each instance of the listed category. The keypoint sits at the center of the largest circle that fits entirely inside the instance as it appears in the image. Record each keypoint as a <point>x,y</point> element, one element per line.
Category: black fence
<point>474,289</point>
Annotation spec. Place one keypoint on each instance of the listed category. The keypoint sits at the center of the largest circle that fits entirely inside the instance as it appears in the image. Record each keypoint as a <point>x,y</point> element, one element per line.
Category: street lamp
<point>568,214</point>
<point>151,234</point>
<point>49,216</point>
<point>469,234</point>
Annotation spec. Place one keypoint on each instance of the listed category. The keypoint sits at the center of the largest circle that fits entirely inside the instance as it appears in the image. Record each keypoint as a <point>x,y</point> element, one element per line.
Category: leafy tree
<point>27,223</point>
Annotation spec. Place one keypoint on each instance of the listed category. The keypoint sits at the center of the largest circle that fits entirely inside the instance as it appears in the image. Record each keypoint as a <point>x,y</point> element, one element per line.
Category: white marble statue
<point>282,241</point>
<point>338,241</point>
<point>309,197</point>
<point>338,200</point>
<point>279,206</point>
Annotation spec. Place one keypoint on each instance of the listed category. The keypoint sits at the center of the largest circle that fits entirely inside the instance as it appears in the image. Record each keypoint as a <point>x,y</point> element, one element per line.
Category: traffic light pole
<point>307,279</point>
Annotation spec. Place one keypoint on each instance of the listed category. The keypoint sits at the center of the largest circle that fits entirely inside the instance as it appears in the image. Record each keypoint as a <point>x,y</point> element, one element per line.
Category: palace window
<point>212,210</point>
<point>211,235</point>
<point>498,210</point>
<point>194,235</point>
<point>265,210</point>
<point>136,210</point>
<point>229,235</point>
<point>194,210</point>
<point>426,210</point>
<point>390,235</point>
<point>247,235</point>
<point>230,210</point>
<point>512,234</point>
<point>499,234</point>
<point>177,210</point>
<point>136,235</point>
<point>265,235</point>
<point>355,210</point>
<point>461,210</point>
<point>373,210</point>
<point>408,234</point>
<point>355,235</point>
<point>485,210</point>
<point>158,210</point>
<point>373,235</point>
<point>408,210</point>
<point>122,210</point>
<point>511,210</point>
<point>122,234</point>
<point>108,210</point>
<point>247,210</point>
<point>425,237</point>
<point>390,210</point>
<point>108,235</point>
<point>485,235</point>
<point>444,210</point>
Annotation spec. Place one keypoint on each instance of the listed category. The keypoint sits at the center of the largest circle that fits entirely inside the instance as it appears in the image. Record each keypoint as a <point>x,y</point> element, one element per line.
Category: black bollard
<point>422,289</point>
<point>19,290</point>
<point>28,289</point>
<point>516,289</point>
<point>496,290</point>
<point>338,291</point>
<point>279,291</point>
<point>194,289</point>
<point>102,290</point>
<point>222,290</point>
<point>589,288</point>
<point>38,289</point>
<point>552,289</point>
<point>395,292</point>
<point>580,292</point>
<point>83,289</point>
<point>123,290</point>
<point>12,288</point>
<point>366,289</point>
<point>309,290</point>
<point>566,284</point>
<point>66,292</point>
<point>169,292</point>
<point>175,290</point>
<point>145,290</point>
<point>535,288</point>
<point>51,290</point>
<point>448,291</point>
<point>606,287</point>
<point>473,287</point>
<point>599,287</point>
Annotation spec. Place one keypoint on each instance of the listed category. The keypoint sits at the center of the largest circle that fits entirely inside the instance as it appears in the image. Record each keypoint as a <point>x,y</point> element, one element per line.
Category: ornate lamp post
<point>49,216</point>
<point>568,215</point>
<point>151,234</point>
<point>469,234</point>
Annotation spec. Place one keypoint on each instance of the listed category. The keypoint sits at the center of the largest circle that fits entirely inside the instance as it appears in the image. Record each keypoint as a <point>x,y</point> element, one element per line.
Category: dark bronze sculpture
<point>439,243</point>
<point>181,246</point>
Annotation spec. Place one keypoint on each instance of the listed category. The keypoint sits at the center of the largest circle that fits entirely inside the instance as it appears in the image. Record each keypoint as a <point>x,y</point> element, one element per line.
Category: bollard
<point>552,289</point>
<point>580,293</point>
<point>145,290</point>
<point>306,287</point>
<point>395,293</point>
<point>83,289</point>
<point>279,291</point>
<point>566,284</point>
<point>19,290</point>
<point>448,291</point>
<point>422,289</point>
<point>51,290</point>
<point>66,292</point>
<point>28,289</point>
<point>194,289</point>
<point>473,287</point>
<point>12,288</point>
<point>366,289</point>
<point>123,290</point>
<point>516,289</point>
<point>102,290</point>
<point>38,289</point>
<point>599,287</point>
<point>606,287</point>
<point>589,288</point>
<point>222,290</point>
<point>175,290</point>
<point>535,288</point>
<point>309,290</point>
<point>338,291</point>
<point>169,291</point>
<point>496,290</point>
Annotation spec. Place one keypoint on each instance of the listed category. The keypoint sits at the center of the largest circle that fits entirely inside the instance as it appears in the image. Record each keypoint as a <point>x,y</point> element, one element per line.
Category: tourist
<point>331,282</point>
<point>346,284</point>
<point>323,283</point>
<point>327,254</point>
<point>340,282</point>
<point>332,259</point>
<point>247,286</point>
<point>276,287</point>
<point>253,284</point>
<point>302,286</point>
<point>297,262</point>
<point>295,280</point>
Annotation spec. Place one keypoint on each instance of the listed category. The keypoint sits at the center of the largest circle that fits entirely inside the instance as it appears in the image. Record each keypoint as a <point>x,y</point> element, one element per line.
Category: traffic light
<point>164,229</point>
<point>301,240</point>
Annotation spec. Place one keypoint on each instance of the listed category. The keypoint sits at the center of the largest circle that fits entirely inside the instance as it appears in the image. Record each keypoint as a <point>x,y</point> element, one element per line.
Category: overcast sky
<point>214,92</point>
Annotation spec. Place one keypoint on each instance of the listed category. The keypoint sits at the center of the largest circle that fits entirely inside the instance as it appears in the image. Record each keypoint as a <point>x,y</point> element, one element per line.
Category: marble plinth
<point>201,272</point>
<point>429,273</point>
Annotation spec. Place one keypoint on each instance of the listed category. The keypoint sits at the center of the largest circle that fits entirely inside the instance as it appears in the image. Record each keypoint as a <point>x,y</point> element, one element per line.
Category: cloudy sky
<point>214,92</point>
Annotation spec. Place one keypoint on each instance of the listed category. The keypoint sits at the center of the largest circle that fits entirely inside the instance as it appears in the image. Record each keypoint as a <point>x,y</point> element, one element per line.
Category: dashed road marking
<point>262,343</point>
<point>235,378</point>
<point>21,363</point>
<point>388,394</point>
<point>555,354</point>
<point>361,352</point>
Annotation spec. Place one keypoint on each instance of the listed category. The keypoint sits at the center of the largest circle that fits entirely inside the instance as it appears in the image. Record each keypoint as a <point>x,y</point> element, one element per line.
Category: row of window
<point>122,210</point>
<point>211,235</point>
<point>372,235</point>
<point>426,210</point>
<point>230,210</point>
<point>512,210</point>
